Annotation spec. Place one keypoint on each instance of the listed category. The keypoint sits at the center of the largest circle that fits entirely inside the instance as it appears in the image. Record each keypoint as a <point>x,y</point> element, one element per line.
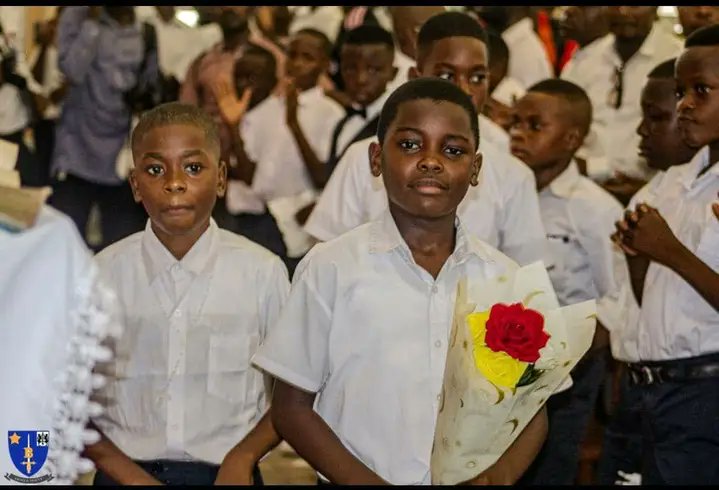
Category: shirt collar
<point>648,47</point>
<point>518,30</point>
<point>309,95</point>
<point>159,260</point>
<point>375,107</point>
<point>695,165</point>
<point>595,46</point>
<point>385,237</point>
<point>564,183</point>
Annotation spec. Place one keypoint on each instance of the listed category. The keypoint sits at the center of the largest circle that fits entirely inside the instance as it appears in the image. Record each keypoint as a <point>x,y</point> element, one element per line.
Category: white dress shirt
<point>367,328</point>
<point>508,91</point>
<point>183,386</point>
<point>579,216</point>
<point>281,178</point>
<point>528,61</point>
<point>615,143</point>
<point>357,122</point>
<point>503,210</point>
<point>403,63</point>
<point>674,321</point>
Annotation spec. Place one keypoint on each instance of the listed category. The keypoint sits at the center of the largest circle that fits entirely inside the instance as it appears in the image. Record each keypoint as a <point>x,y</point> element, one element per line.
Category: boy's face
<point>177,178</point>
<point>631,22</point>
<point>542,133</point>
<point>582,22</point>
<point>693,18</point>
<point>407,22</point>
<point>306,60</point>
<point>253,71</point>
<point>460,60</point>
<point>661,143</point>
<point>427,158</point>
<point>366,70</point>
<point>697,87</point>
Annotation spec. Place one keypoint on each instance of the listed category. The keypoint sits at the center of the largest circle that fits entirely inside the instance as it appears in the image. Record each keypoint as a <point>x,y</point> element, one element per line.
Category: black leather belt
<point>671,371</point>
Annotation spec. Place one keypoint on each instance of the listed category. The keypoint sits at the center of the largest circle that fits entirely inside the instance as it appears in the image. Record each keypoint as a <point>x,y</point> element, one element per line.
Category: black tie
<point>334,156</point>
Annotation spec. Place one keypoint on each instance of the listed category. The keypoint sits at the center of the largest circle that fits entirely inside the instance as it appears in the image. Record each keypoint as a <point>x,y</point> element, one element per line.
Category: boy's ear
<point>133,185</point>
<point>573,139</point>
<point>375,158</point>
<point>221,179</point>
<point>412,73</point>
<point>476,167</point>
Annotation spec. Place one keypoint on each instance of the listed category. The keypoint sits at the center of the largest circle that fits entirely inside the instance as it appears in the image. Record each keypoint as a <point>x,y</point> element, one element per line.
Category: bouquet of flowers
<point>511,347</point>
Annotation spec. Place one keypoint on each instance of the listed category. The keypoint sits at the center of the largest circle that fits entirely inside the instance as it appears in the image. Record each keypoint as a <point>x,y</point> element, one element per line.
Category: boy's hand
<point>623,187</point>
<point>652,237</point>
<point>291,95</point>
<point>231,108</point>
<point>622,228</point>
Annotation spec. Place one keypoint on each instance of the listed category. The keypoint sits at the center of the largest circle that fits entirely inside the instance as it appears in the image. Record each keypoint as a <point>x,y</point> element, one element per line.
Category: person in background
<point>528,61</point>
<point>326,19</point>
<point>45,70</point>
<point>406,22</point>
<point>662,147</point>
<point>613,79</point>
<point>503,89</point>
<point>103,56</point>
<point>693,18</point>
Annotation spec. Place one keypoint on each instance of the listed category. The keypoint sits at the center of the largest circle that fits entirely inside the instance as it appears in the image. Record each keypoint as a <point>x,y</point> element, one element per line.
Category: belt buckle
<point>649,376</point>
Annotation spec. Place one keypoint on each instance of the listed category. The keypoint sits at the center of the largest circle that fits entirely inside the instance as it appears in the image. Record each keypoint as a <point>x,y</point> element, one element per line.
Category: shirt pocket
<point>228,375</point>
<point>558,249</point>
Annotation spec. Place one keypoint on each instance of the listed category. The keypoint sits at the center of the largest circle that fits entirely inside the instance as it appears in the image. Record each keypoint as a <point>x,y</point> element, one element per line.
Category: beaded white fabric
<point>55,314</point>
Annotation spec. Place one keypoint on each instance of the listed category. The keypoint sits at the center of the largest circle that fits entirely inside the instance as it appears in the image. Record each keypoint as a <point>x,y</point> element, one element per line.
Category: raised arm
<point>77,42</point>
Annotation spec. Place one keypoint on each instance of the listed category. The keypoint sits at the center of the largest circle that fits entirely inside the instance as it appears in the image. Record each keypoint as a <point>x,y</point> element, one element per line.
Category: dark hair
<point>259,51</point>
<point>434,89</point>
<point>321,37</point>
<point>498,49</point>
<point>445,25</point>
<point>581,106</point>
<point>665,69</point>
<point>177,113</point>
<point>369,34</point>
<point>704,36</point>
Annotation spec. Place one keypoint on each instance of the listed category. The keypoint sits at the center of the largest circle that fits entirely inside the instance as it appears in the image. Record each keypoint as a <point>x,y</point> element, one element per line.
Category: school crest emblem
<point>28,451</point>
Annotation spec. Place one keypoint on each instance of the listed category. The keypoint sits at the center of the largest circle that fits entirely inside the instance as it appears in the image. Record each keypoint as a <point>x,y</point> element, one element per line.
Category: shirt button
<point>438,343</point>
<point>439,397</point>
<point>177,314</point>
<point>434,289</point>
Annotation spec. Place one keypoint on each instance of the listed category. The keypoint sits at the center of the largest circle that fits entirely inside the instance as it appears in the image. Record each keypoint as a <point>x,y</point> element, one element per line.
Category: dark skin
<point>366,70</point>
<point>307,59</point>
<point>178,177</point>
<point>166,12</point>
<point>406,22</point>
<point>697,80</point>
<point>254,80</point>
<point>584,24</point>
<point>693,18</point>
<point>235,30</point>
<point>630,26</point>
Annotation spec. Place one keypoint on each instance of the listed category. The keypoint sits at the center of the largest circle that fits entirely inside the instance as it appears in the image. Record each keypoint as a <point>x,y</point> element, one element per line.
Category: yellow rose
<point>498,367</point>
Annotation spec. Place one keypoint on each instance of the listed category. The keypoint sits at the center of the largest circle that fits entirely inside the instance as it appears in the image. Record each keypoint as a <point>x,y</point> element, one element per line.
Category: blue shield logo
<point>28,449</point>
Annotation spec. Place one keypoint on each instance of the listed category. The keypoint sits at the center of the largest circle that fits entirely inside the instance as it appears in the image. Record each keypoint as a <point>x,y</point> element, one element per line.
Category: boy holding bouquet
<point>359,351</point>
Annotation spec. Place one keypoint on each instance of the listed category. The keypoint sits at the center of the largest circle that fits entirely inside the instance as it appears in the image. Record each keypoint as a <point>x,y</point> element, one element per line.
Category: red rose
<point>516,330</point>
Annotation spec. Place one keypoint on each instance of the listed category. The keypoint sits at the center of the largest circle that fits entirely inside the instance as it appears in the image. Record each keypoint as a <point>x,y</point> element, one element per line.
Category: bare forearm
<point>260,441</point>
<point>245,169</point>
<point>297,422</point>
<point>698,274</point>
<point>117,465</point>
<point>314,165</point>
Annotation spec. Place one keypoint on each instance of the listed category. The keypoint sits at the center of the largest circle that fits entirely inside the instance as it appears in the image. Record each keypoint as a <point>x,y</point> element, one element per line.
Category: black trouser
<point>178,473</point>
<point>120,215</point>
<point>44,131</point>
<point>680,428</point>
<point>31,174</point>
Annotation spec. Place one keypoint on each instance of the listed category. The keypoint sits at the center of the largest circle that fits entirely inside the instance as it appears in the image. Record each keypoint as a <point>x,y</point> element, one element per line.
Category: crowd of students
<point>317,184</point>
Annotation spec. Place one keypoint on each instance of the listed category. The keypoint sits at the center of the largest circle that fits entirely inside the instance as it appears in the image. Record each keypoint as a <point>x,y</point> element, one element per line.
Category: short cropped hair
<point>369,34</point>
<point>665,69</point>
<point>446,25</point>
<point>581,106</point>
<point>434,89</point>
<point>704,36</point>
<point>498,49</point>
<point>321,37</point>
<point>176,113</point>
<point>259,51</point>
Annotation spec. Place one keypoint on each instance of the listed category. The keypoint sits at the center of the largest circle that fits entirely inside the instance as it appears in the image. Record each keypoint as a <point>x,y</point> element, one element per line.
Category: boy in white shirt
<point>183,405</point>
<point>549,125</point>
<point>366,325</point>
<point>502,210</point>
<point>287,138</point>
<point>671,242</point>
<point>662,147</point>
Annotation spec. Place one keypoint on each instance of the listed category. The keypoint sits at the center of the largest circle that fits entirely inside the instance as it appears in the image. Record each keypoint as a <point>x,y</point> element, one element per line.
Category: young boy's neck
<point>626,48</point>
<point>179,245</point>
<point>431,241</point>
<point>548,173</point>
